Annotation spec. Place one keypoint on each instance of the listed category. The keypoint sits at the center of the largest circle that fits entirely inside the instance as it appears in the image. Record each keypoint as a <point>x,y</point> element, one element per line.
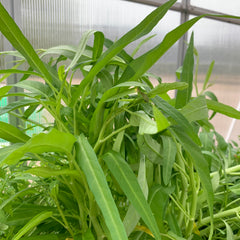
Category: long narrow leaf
<point>195,109</point>
<point>208,75</point>
<point>183,96</point>
<point>4,90</point>
<point>132,217</point>
<point>32,223</point>
<point>223,109</point>
<point>65,50</point>
<point>12,134</point>
<point>15,105</point>
<point>98,44</point>
<point>169,154</point>
<point>88,162</point>
<point>176,117</point>
<point>150,148</point>
<point>81,48</point>
<point>54,141</point>
<point>46,237</point>
<point>165,87</point>
<point>122,54</point>
<point>161,120</point>
<point>49,172</point>
<point>10,199</point>
<point>140,44</point>
<point>17,71</point>
<point>141,64</point>
<point>158,199</point>
<point>35,87</point>
<point>129,184</point>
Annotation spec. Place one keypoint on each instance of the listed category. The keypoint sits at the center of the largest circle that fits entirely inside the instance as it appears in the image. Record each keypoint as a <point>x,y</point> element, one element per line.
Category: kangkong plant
<point>120,159</point>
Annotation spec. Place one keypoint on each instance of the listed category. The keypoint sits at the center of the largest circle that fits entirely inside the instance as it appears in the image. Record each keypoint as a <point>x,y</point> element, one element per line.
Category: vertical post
<point>183,39</point>
<point>14,9</point>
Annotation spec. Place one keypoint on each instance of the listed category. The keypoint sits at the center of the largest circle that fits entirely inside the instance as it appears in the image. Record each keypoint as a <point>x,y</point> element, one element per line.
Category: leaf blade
<point>195,109</point>
<point>140,65</point>
<point>169,154</point>
<point>49,172</point>
<point>223,109</point>
<point>183,96</point>
<point>128,182</point>
<point>32,223</point>
<point>81,48</point>
<point>12,134</point>
<point>54,141</point>
<point>176,117</point>
<point>87,160</point>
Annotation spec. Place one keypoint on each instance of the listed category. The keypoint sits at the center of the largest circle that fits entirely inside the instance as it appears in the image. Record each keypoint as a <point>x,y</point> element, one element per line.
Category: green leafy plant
<point>120,159</point>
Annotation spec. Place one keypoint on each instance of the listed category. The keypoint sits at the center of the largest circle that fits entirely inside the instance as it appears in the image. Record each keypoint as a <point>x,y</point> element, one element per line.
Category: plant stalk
<point>184,193</point>
<point>219,216</point>
<point>194,199</point>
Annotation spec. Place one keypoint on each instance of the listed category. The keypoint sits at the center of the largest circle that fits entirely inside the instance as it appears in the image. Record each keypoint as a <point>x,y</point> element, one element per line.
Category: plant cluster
<point>121,159</point>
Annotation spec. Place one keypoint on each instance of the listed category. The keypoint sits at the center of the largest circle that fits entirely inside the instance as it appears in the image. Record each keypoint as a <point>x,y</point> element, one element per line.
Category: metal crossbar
<point>190,9</point>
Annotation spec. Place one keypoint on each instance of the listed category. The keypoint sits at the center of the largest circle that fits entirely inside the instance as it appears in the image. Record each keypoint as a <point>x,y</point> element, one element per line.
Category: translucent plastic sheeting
<point>48,23</point>
<point>1,47</point>
<point>219,41</point>
<point>1,42</point>
<point>228,7</point>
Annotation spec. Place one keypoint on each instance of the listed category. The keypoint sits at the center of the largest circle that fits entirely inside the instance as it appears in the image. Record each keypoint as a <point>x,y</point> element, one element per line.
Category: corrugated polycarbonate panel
<point>228,7</point>
<point>48,23</point>
<point>219,41</point>
<point>1,47</point>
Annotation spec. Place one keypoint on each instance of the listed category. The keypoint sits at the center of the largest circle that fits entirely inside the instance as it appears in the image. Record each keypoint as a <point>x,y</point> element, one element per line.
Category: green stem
<point>82,99</point>
<point>93,212</point>
<point>27,120</point>
<point>194,191</point>
<point>184,194</point>
<point>3,184</point>
<point>219,216</point>
<point>231,171</point>
<point>63,216</point>
<point>75,122</point>
<point>102,140</point>
<point>180,207</point>
<point>59,122</point>
<point>77,193</point>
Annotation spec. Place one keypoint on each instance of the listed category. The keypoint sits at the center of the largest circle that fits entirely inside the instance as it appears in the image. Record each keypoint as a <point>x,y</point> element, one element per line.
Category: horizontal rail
<point>193,10</point>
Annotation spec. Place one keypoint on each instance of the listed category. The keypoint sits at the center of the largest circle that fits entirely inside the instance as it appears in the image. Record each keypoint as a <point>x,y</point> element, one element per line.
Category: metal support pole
<point>14,9</point>
<point>184,38</point>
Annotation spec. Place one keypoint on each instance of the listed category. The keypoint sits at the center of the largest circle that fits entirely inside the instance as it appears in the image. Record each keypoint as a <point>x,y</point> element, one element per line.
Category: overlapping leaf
<point>87,160</point>
<point>54,141</point>
<point>129,184</point>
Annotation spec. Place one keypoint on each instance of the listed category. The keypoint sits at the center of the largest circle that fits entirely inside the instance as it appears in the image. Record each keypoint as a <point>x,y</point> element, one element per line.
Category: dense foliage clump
<point>118,158</point>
